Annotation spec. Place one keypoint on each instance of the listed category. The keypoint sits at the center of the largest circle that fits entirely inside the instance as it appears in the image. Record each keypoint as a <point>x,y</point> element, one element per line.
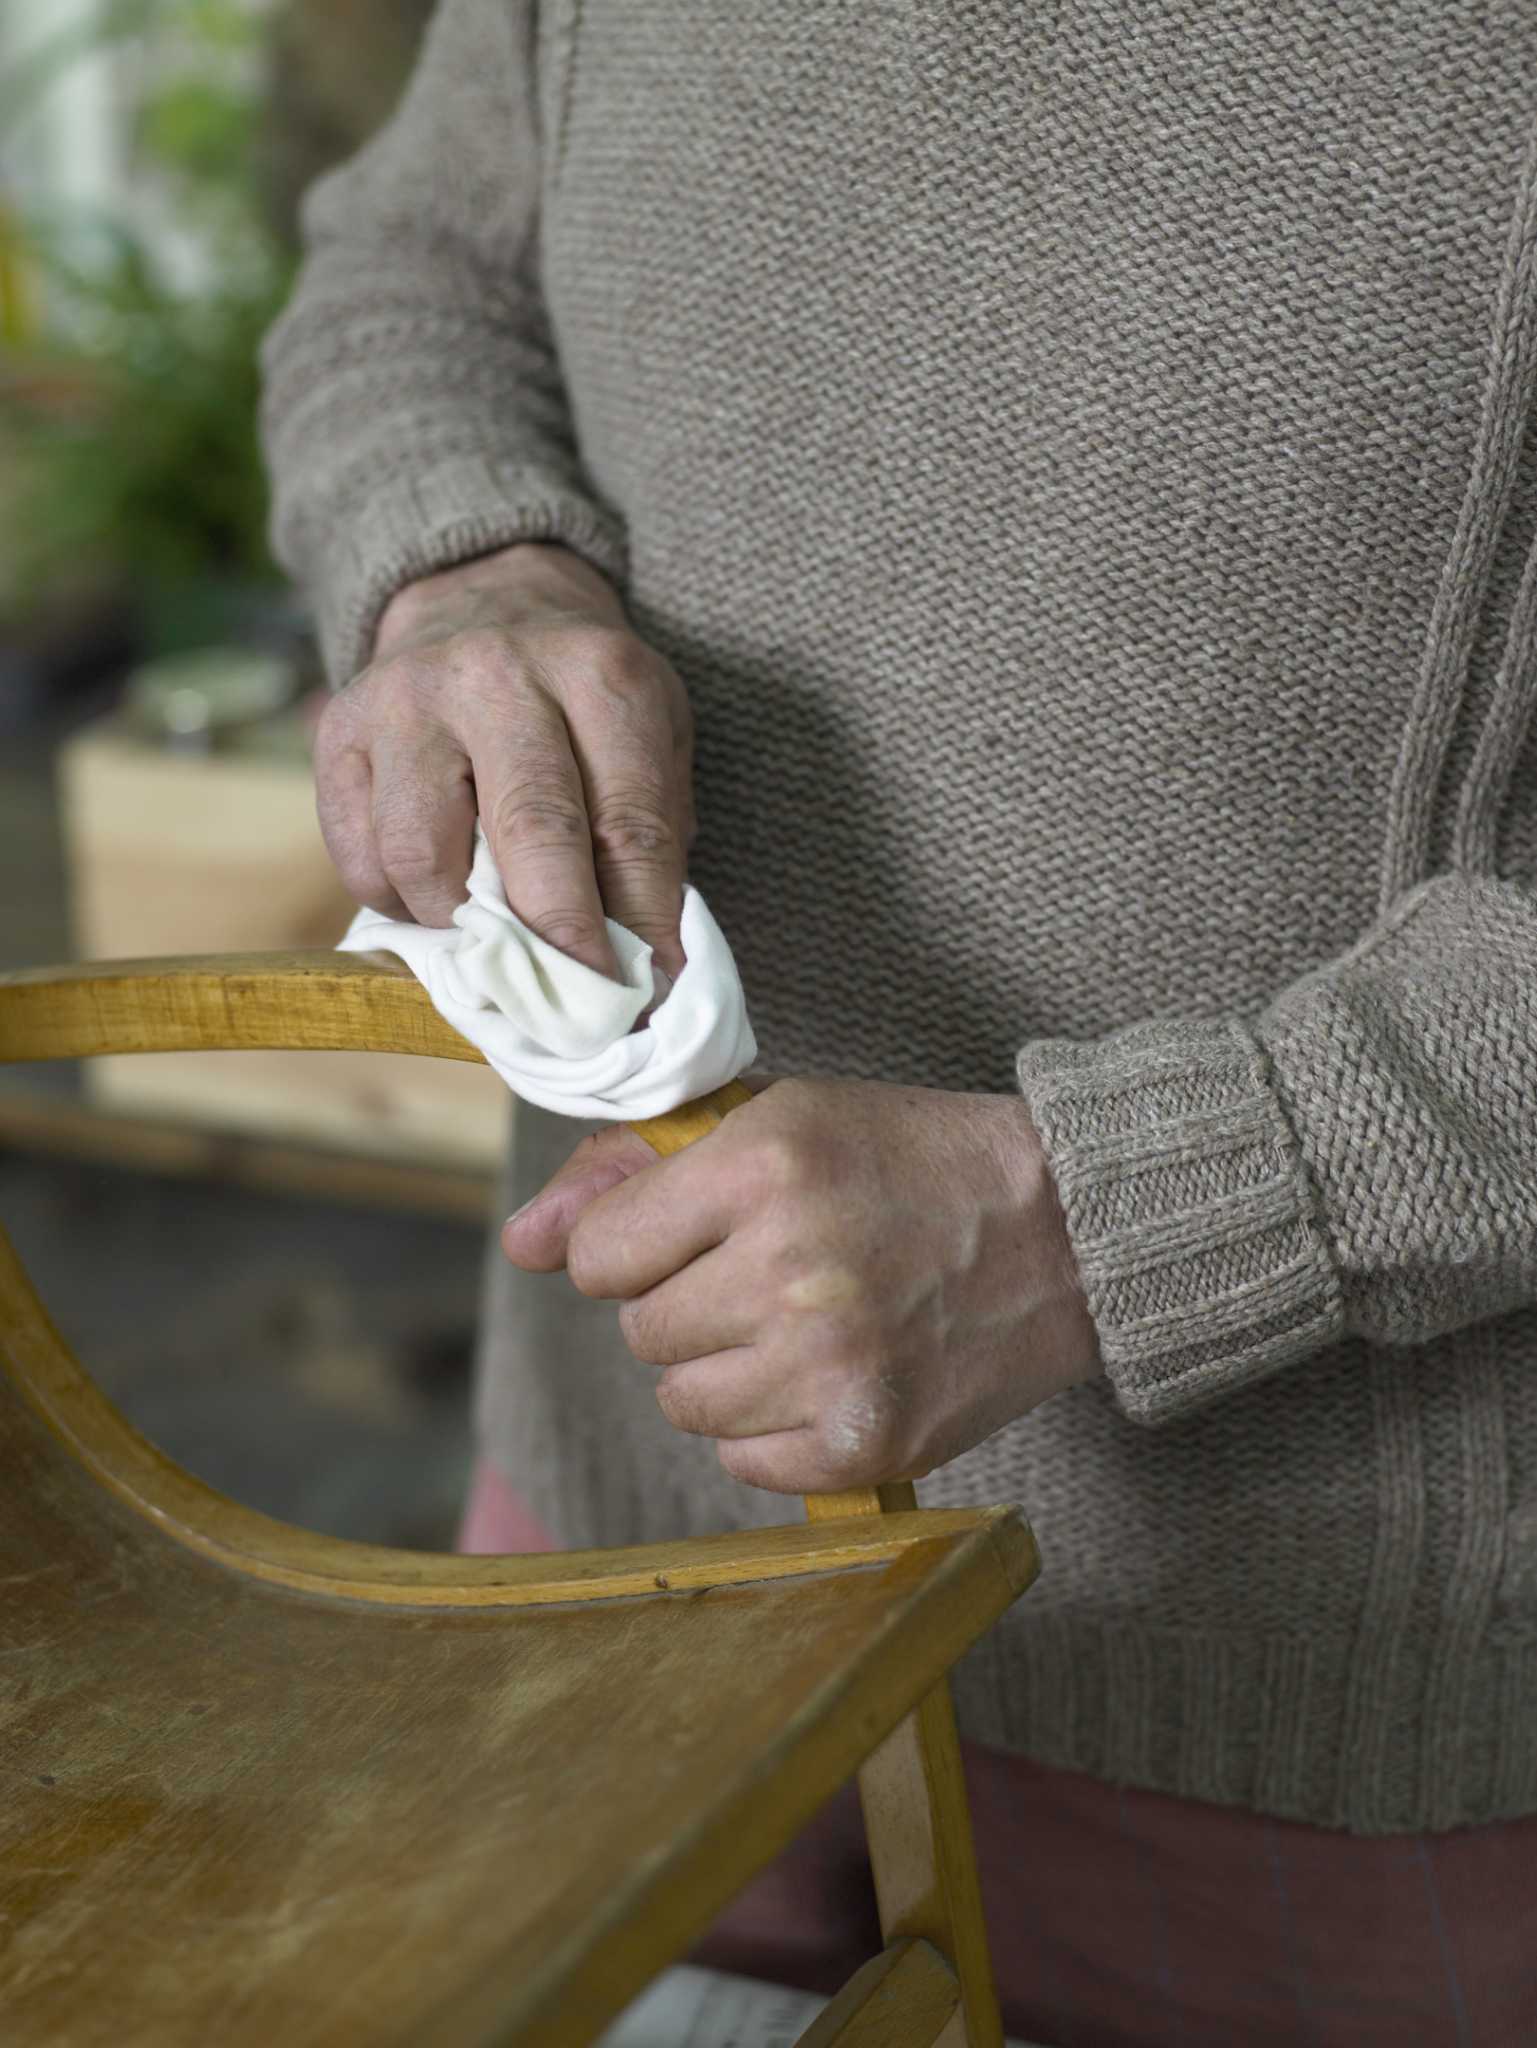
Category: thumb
<point>535,1236</point>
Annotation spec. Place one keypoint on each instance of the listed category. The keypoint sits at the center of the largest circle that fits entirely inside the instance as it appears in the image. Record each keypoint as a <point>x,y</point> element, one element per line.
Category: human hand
<point>514,687</point>
<point>846,1282</point>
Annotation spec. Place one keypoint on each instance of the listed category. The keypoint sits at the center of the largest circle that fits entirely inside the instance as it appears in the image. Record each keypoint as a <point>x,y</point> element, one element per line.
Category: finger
<point>344,794</point>
<point>786,1462</point>
<point>424,819</point>
<point>853,1437</point>
<point>529,792</point>
<point>701,1308</point>
<point>732,1395</point>
<point>636,772</point>
<point>536,1237</point>
<point>641,1233</point>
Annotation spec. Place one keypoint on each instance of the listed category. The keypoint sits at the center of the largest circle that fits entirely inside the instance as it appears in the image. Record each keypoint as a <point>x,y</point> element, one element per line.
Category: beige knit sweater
<point>1083,461</point>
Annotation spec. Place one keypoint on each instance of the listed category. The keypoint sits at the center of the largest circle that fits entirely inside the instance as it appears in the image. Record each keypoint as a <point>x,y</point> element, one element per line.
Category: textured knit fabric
<point>559,1033</point>
<point>1083,462</point>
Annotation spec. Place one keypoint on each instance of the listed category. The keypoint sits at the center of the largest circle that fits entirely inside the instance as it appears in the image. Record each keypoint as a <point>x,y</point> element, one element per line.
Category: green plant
<point>128,417</point>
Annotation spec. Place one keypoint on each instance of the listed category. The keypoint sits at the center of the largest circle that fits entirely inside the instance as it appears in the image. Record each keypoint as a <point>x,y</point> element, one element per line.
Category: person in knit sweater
<point>1035,512</point>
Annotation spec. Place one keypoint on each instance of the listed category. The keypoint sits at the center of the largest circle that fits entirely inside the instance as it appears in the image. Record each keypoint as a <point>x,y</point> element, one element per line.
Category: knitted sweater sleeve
<point>1360,1158</point>
<point>413,410</point>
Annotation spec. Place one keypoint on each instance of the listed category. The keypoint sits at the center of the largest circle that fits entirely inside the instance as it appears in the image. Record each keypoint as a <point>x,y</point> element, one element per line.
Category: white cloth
<point>559,1033</point>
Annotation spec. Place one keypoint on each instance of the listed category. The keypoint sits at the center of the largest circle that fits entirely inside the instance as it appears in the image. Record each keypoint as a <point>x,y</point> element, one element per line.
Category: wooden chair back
<point>150,1558</point>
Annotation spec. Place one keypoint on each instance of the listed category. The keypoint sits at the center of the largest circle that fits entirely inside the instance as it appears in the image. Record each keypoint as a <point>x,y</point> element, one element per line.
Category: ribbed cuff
<point>1188,1206</point>
<point>421,525</point>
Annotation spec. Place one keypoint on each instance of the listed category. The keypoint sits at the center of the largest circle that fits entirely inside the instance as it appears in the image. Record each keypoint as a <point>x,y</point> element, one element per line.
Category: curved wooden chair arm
<point>272,1002</point>
<point>223,1002</point>
<point>298,1002</point>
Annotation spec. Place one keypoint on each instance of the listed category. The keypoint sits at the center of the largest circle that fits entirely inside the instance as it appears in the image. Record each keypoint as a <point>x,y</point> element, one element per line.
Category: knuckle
<point>532,819</point>
<point>742,1460</point>
<point>408,854</point>
<point>609,658</point>
<point>629,831</point>
<point>775,1164</point>
<point>616,678</point>
<point>837,1294</point>
<point>399,682</point>
<point>344,729</point>
<point>569,931</point>
<point>610,655</point>
<point>477,654</point>
<point>857,1429</point>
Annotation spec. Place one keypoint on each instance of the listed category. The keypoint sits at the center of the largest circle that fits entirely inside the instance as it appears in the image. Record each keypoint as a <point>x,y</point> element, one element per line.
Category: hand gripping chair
<point>266,1787</point>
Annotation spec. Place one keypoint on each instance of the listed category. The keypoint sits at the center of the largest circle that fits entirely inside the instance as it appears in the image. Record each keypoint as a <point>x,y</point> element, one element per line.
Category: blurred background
<point>270,1261</point>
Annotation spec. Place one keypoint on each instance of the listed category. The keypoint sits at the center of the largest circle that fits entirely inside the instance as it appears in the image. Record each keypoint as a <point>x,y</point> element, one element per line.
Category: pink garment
<point>1126,1919</point>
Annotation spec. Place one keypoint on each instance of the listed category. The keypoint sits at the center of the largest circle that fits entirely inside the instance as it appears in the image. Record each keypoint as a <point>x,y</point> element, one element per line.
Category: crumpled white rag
<point>559,1033</point>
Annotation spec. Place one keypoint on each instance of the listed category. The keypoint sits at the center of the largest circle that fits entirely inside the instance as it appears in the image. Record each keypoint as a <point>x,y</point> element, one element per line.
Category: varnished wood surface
<point>240,1813</point>
<point>315,1002</point>
<point>679,1127</point>
<point>296,1002</point>
<point>902,1998</point>
<point>918,1817</point>
<point>265,1786</point>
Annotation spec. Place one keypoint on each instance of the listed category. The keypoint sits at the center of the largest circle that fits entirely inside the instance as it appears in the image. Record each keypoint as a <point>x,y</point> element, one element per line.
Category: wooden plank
<point>918,1820</point>
<point>902,1998</point>
<point>181,854</point>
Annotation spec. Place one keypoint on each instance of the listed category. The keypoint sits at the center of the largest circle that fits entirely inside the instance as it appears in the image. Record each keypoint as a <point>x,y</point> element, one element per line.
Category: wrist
<point>1043,1228</point>
<point>529,579</point>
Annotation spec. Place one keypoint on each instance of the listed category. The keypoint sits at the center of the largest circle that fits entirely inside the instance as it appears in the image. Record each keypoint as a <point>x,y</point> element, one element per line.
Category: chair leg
<point>906,1997</point>
<point>918,1824</point>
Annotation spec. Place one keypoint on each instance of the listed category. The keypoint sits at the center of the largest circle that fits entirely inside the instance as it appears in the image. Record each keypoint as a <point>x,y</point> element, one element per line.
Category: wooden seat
<point>264,1786</point>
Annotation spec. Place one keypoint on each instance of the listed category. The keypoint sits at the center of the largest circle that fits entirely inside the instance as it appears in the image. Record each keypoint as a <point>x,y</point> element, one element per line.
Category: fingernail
<point>521,1212</point>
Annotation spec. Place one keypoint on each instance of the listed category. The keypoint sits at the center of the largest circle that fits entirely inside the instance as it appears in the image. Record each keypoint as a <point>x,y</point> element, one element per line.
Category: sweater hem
<point>1251,1721</point>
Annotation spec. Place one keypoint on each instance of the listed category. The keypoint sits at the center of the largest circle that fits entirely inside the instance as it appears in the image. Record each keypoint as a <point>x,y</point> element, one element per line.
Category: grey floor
<point>308,1359</point>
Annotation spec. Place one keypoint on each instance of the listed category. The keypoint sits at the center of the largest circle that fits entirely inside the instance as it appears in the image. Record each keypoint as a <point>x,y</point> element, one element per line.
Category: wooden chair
<point>262,1786</point>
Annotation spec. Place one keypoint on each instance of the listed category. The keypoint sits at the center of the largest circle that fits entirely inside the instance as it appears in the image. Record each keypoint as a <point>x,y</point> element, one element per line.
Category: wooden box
<point>220,852</point>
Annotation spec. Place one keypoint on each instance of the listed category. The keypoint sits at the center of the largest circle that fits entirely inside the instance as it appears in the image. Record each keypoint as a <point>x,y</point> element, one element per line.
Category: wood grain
<point>902,1998</point>
<point>316,1002</point>
<point>918,1818</point>
<point>242,1813</point>
<point>84,1422</point>
<point>295,1002</point>
<point>696,1119</point>
<point>265,1785</point>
